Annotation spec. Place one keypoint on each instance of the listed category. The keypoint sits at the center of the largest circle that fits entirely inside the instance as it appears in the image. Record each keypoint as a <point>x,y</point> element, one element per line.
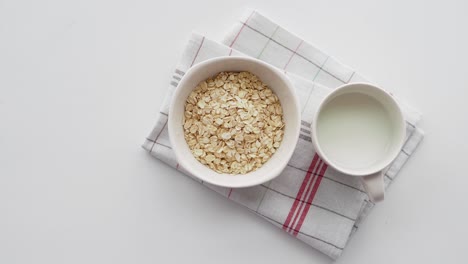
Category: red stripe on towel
<point>300,192</point>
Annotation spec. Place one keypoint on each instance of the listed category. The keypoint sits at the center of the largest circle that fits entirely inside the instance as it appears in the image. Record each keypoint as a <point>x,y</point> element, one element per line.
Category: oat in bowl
<point>234,122</point>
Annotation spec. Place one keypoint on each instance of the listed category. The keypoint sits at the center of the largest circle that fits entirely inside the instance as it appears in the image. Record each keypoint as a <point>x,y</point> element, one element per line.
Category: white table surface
<point>81,83</point>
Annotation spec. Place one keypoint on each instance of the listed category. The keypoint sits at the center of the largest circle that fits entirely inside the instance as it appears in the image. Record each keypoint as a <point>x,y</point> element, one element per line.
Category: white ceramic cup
<point>359,130</point>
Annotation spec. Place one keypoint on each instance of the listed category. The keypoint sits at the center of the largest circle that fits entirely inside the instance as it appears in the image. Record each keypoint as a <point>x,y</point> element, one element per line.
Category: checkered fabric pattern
<point>309,200</point>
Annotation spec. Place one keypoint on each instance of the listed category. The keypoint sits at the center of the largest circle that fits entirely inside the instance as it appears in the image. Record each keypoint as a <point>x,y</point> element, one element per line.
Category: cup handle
<point>374,186</point>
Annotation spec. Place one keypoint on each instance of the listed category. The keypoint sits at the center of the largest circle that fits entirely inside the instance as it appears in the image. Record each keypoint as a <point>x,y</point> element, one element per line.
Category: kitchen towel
<point>309,200</point>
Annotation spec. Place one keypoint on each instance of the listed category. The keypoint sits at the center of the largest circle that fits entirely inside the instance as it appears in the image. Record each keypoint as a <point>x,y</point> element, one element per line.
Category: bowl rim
<point>275,171</point>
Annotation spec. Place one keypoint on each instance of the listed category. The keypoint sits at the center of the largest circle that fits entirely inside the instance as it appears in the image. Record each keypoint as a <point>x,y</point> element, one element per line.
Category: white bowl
<point>279,84</point>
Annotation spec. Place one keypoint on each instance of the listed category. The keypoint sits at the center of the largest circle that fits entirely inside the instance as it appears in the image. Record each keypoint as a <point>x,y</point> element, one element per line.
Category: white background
<point>80,86</point>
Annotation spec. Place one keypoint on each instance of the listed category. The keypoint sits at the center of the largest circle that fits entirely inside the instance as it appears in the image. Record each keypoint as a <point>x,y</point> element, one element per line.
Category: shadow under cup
<point>359,129</point>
